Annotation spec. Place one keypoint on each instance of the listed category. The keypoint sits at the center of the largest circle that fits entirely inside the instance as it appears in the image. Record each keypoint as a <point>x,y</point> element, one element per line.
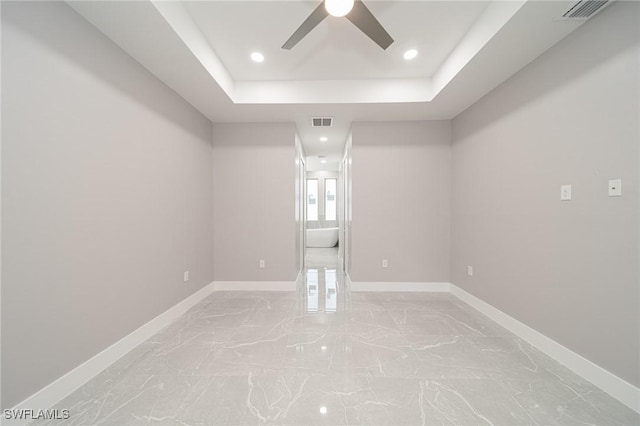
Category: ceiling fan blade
<point>362,18</point>
<point>310,23</point>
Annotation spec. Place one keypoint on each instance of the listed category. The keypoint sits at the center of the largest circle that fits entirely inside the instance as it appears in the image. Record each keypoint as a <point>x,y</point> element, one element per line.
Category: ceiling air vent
<point>321,122</point>
<point>585,9</point>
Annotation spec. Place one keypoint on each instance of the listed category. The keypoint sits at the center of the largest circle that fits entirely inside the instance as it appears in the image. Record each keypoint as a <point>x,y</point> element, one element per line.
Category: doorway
<point>323,202</point>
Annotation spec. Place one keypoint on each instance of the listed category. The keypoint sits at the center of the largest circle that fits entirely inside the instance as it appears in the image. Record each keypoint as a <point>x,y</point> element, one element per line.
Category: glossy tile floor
<point>323,355</point>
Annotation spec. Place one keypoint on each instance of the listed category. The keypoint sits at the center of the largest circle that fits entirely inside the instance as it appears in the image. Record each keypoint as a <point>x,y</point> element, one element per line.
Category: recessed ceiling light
<point>410,54</point>
<point>324,139</point>
<point>323,161</point>
<point>257,57</point>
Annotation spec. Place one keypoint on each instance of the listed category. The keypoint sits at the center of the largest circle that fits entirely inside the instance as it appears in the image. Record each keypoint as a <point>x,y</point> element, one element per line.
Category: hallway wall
<point>568,269</point>
<point>401,195</point>
<point>107,195</point>
<point>254,213</point>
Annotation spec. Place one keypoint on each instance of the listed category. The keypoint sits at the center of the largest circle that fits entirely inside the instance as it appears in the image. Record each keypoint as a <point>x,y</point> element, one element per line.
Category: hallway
<point>325,355</point>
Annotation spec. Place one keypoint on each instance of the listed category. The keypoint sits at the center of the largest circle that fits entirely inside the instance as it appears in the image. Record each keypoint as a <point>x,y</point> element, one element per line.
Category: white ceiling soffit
<point>381,90</point>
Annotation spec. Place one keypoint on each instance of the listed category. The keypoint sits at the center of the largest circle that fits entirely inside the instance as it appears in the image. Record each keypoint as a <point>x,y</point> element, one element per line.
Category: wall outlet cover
<point>615,188</point>
<point>565,192</point>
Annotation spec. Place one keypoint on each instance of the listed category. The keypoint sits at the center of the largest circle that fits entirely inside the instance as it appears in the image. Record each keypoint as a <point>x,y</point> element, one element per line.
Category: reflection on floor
<point>324,355</point>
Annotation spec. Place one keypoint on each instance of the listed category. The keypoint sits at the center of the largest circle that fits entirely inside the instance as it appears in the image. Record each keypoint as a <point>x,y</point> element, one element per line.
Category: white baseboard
<point>255,285</point>
<point>618,388</point>
<point>50,395</point>
<point>399,286</point>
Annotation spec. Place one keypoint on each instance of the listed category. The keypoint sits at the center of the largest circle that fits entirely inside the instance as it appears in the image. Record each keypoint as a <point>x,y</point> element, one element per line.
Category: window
<point>330,199</point>
<point>312,199</point>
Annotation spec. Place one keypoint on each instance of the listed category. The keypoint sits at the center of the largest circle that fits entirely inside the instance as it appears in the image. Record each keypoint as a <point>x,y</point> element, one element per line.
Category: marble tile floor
<point>325,356</point>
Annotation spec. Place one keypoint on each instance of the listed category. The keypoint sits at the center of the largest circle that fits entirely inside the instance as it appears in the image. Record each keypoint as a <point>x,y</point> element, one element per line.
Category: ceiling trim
<point>333,91</point>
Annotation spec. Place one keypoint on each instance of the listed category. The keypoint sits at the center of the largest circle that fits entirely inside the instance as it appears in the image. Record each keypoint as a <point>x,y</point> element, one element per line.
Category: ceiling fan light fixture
<point>338,8</point>
<point>355,11</point>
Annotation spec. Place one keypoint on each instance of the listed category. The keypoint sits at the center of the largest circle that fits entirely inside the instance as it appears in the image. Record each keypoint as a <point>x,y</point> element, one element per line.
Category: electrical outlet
<point>470,270</point>
<point>615,188</point>
<point>565,193</point>
<point>261,264</point>
<point>186,276</point>
<point>385,263</point>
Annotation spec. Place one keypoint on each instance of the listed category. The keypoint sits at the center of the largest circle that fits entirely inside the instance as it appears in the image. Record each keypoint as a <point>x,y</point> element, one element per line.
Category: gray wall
<point>106,195</point>
<point>254,212</point>
<point>401,201</point>
<point>569,269</point>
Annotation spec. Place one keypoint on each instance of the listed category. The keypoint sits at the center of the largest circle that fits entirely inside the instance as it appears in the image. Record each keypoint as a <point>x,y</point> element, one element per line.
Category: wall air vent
<point>585,9</point>
<point>321,121</point>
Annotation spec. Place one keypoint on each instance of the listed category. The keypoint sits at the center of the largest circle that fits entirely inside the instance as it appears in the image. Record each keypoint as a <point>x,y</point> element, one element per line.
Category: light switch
<point>615,188</point>
<point>565,192</point>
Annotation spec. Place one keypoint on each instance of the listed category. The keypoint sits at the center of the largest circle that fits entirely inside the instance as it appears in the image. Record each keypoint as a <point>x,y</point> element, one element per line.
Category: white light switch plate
<point>615,188</point>
<point>565,192</point>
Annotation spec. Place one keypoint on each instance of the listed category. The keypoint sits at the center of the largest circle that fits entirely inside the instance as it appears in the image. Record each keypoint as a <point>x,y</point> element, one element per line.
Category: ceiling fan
<point>354,10</point>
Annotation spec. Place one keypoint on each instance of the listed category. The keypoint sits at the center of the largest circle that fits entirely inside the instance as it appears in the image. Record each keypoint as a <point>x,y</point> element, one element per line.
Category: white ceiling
<point>201,50</point>
<point>335,49</point>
